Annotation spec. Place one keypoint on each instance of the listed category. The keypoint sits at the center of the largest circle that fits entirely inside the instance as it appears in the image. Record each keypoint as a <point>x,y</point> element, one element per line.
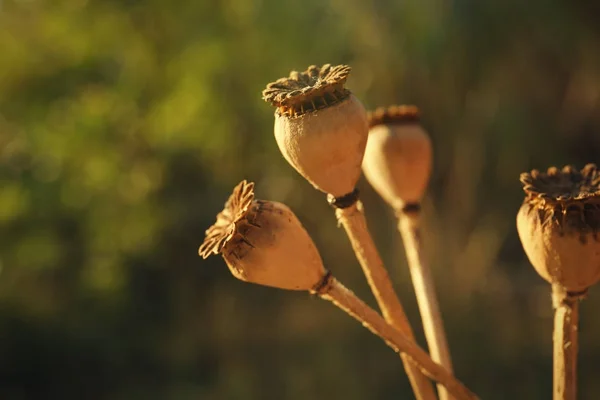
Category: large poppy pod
<point>559,225</point>
<point>320,126</point>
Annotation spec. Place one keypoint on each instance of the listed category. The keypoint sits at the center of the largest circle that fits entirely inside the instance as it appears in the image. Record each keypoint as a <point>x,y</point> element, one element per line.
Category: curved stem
<point>566,320</point>
<point>409,227</point>
<point>355,225</point>
<point>345,299</point>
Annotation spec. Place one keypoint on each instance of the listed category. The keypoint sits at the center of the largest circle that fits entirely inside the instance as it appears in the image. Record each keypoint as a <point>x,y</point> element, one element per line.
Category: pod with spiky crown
<point>397,160</point>
<point>263,242</point>
<point>320,126</point>
<point>559,224</point>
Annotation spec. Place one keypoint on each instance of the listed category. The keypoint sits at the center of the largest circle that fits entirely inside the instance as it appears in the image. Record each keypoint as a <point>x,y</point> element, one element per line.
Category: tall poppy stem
<point>409,227</point>
<point>355,225</point>
<point>566,344</point>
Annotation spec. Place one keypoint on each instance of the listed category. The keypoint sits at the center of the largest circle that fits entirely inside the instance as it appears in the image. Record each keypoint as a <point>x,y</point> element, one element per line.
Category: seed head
<point>559,223</point>
<point>320,126</point>
<point>398,155</point>
<point>311,90</point>
<point>263,242</point>
<point>223,229</point>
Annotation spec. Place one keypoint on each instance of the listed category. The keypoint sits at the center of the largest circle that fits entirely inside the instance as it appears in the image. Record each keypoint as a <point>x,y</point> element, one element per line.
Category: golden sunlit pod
<point>320,126</point>
<point>263,242</point>
<point>559,224</point>
<point>398,155</point>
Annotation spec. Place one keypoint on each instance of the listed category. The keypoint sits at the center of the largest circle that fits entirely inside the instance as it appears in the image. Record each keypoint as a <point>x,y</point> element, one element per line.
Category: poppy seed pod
<point>397,160</point>
<point>263,242</point>
<point>559,224</point>
<point>320,126</point>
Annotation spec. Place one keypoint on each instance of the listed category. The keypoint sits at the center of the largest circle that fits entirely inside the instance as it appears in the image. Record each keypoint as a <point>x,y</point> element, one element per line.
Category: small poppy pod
<point>559,223</point>
<point>320,126</point>
<point>263,242</point>
<point>398,155</point>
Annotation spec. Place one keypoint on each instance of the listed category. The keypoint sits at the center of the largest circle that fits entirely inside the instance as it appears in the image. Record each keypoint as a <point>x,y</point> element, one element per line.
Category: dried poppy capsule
<point>397,159</point>
<point>263,242</point>
<point>320,126</point>
<point>558,225</point>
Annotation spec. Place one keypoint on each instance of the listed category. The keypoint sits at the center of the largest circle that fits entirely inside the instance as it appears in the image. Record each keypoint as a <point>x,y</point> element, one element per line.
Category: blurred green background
<point>125,124</point>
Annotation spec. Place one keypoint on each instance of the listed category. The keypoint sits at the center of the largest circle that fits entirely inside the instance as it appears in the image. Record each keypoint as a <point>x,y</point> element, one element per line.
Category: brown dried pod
<point>398,155</point>
<point>320,126</point>
<point>558,225</point>
<point>263,242</point>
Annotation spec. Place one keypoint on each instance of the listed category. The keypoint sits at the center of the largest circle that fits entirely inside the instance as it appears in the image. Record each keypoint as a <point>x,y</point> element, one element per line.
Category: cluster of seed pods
<point>327,136</point>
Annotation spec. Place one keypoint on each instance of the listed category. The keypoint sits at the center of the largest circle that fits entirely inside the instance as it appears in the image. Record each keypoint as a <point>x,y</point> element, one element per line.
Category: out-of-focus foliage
<point>124,125</point>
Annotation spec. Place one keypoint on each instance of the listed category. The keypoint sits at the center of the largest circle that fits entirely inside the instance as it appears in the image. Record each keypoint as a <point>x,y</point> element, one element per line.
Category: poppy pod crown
<point>559,224</point>
<point>263,242</point>
<point>320,126</point>
<point>398,156</point>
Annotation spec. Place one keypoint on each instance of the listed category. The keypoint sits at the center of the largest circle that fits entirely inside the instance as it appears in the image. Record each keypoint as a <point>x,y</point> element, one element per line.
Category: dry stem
<point>401,343</point>
<point>409,227</point>
<point>355,224</point>
<point>566,319</point>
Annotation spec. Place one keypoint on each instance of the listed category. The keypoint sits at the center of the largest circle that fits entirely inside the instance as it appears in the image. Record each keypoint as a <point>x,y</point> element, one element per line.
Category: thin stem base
<point>566,344</point>
<point>355,224</point>
<point>409,227</point>
<point>346,300</point>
